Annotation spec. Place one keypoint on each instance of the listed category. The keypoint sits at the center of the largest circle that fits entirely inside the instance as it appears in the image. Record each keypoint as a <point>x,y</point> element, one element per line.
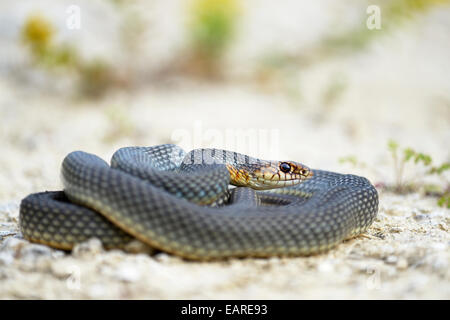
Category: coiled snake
<point>182,204</point>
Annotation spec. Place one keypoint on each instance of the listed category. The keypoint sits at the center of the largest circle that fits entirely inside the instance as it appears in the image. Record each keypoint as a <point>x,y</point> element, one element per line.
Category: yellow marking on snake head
<point>238,177</point>
<point>269,175</point>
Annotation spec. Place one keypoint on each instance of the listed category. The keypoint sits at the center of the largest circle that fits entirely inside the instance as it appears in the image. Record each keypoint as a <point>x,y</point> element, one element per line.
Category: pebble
<point>127,273</point>
<point>420,216</point>
<point>165,258</point>
<point>88,248</point>
<point>13,244</point>
<point>326,267</point>
<point>65,267</point>
<point>96,291</point>
<point>30,254</point>
<point>402,264</point>
<point>136,246</point>
<point>5,233</point>
<point>380,235</point>
<point>391,259</point>
<point>6,258</point>
<point>34,251</point>
<point>11,209</point>
<point>395,230</point>
<point>440,263</point>
<point>274,260</point>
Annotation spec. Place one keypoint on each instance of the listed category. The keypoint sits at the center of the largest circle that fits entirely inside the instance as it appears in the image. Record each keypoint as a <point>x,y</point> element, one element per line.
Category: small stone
<point>274,260</point>
<point>326,267</point>
<point>440,263</point>
<point>163,257</point>
<point>6,258</point>
<point>96,291</point>
<point>11,209</point>
<point>5,233</point>
<point>395,230</point>
<point>136,246</point>
<point>91,247</point>
<point>391,259</point>
<point>64,267</point>
<point>380,235</point>
<point>402,264</point>
<point>28,254</point>
<point>419,216</point>
<point>34,251</point>
<point>127,273</point>
<point>13,244</point>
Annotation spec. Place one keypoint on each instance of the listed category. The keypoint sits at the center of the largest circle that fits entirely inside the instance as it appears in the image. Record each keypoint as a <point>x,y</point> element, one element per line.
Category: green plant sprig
<point>409,155</point>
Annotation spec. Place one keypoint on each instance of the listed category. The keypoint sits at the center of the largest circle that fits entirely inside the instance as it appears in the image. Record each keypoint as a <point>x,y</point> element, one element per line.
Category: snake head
<point>270,174</point>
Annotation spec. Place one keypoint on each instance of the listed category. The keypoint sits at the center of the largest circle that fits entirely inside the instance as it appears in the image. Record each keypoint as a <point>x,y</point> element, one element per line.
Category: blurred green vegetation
<point>412,156</point>
<point>211,27</point>
<point>96,78</point>
<point>334,90</point>
<point>38,34</point>
<point>120,123</point>
<point>278,72</point>
<point>421,163</point>
<point>352,159</point>
<point>272,70</point>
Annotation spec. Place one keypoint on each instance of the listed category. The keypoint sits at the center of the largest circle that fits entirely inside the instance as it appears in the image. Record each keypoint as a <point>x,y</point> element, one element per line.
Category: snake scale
<point>183,204</point>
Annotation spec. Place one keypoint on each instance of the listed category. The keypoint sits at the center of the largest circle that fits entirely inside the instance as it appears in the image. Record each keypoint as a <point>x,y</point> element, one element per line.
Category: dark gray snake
<point>182,204</point>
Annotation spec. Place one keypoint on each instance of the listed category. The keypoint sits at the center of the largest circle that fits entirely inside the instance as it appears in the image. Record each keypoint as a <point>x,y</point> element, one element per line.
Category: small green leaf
<point>426,159</point>
<point>408,153</point>
<point>349,159</point>
<point>392,145</point>
<point>443,167</point>
<point>444,201</point>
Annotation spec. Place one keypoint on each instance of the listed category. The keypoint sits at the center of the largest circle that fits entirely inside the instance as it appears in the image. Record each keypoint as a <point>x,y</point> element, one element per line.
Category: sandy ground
<point>397,89</point>
<point>405,254</point>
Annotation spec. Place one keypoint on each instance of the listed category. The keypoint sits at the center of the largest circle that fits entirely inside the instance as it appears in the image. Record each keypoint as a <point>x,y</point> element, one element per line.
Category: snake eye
<point>285,167</point>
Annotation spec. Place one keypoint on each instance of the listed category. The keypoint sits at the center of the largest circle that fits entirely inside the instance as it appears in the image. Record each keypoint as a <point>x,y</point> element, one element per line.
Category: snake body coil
<point>183,207</point>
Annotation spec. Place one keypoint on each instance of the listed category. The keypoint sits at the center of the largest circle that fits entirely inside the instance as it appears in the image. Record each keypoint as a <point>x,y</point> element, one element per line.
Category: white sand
<point>398,88</point>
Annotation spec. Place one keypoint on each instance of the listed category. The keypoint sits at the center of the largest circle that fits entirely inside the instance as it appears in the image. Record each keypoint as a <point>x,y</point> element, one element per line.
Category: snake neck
<point>246,171</point>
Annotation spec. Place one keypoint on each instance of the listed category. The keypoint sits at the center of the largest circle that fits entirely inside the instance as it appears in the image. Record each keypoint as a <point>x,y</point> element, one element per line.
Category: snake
<point>206,204</point>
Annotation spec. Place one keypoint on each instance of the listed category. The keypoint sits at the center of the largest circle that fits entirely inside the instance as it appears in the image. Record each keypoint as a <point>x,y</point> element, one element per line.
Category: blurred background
<point>301,80</point>
<point>352,86</point>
